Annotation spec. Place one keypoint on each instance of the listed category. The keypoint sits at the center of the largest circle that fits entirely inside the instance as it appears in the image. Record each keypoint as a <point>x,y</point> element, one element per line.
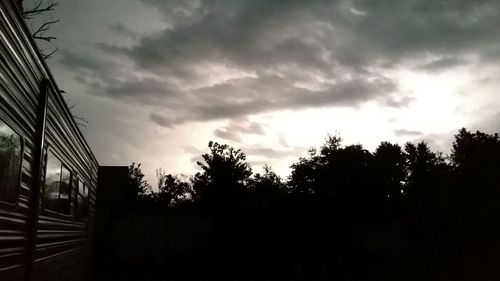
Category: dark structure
<point>137,240</point>
<point>48,174</point>
<point>109,208</point>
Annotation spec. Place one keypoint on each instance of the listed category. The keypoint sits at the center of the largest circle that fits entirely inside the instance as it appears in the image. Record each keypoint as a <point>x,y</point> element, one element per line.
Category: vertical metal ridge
<point>37,176</point>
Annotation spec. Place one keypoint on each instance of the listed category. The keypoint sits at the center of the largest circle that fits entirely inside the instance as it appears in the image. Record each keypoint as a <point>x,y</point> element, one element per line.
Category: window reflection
<point>10,163</point>
<point>81,201</point>
<point>64,191</point>
<point>56,195</point>
<point>81,187</point>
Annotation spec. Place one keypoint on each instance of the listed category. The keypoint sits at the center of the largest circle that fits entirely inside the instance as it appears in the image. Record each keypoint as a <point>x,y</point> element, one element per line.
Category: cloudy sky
<point>158,79</point>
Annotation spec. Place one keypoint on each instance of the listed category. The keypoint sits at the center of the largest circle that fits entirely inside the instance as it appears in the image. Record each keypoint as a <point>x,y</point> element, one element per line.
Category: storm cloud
<point>265,73</point>
<point>226,59</point>
<point>404,132</point>
<point>238,128</point>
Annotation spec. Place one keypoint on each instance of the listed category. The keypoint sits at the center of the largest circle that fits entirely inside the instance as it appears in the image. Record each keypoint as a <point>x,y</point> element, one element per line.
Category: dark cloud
<point>120,29</point>
<point>404,132</point>
<point>161,120</point>
<point>443,64</point>
<point>79,62</point>
<point>318,33</point>
<point>286,54</point>
<point>448,27</point>
<point>143,90</point>
<point>236,129</point>
<point>178,11</point>
<point>256,95</point>
<point>400,101</point>
<point>112,49</point>
<point>228,135</point>
<point>271,153</point>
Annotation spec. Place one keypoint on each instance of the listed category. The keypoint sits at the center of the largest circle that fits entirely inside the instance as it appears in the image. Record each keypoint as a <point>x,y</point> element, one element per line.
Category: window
<point>82,200</point>
<point>56,195</point>
<point>10,163</point>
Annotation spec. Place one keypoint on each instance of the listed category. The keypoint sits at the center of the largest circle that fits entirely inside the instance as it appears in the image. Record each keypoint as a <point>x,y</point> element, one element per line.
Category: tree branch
<point>39,33</point>
<point>49,55</point>
<point>73,105</point>
<point>28,14</point>
<point>83,121</point>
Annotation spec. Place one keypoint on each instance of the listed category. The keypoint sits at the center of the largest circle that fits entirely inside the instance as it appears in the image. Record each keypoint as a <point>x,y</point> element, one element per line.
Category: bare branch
<point>28,14</point>
<point>39,33</point>
<point>49,55</point>
<point>73,105</point>
<point>46,38</point>
<point>81,119</point>
<point>81,124</point>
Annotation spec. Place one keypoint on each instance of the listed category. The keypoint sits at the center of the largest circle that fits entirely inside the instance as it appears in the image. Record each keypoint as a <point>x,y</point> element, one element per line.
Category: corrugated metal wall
<point>63,243</point>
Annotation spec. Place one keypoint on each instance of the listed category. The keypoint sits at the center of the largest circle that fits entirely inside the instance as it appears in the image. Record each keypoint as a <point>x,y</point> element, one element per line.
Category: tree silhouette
<point>345,213</point>
<point>476,156</point>
<point>268,180</point>
<point>172,190</point>
<point>476,196</point>
<point>304,174</point>
<point>137,186</point>
<point>225,174</point>
<point>266,191</point>
<point>389,170</point>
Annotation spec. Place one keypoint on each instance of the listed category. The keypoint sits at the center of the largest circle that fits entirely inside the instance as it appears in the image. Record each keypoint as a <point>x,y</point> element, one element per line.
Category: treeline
<point>345,213</point>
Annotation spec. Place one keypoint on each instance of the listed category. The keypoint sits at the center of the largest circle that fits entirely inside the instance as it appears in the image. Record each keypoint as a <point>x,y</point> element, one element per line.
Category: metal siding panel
<point>63,244</point>
<point>17,109</point>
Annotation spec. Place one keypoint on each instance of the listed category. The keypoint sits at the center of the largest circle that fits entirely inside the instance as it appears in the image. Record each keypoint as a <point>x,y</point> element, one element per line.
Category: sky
<point>158,79</point>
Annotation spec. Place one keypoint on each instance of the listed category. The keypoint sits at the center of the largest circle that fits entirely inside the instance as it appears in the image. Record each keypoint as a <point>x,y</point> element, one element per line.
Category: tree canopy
<point>339,199</point>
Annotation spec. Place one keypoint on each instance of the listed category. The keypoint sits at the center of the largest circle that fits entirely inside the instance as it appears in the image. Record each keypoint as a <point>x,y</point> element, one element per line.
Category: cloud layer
<point>269,73</point>
<point>227,59</point>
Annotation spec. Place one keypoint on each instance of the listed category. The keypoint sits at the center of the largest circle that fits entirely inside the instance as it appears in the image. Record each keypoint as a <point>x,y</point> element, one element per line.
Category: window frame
<point>81,212</point>
<point>20,168</point>
<point>48,151</point>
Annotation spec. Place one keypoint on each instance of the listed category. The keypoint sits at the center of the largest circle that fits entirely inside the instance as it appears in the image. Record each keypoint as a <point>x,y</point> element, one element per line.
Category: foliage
<point>269,179</point>
<point>224,176</point>
<point>389,169</point>
<point>341,202</point>
<point>172,190</point>
<point>476,153</point>
<point>137,186</point>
